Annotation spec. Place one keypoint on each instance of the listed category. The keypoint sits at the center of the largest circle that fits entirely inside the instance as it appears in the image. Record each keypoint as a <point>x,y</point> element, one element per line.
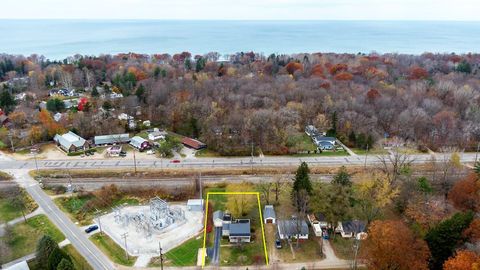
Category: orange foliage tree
<point>473,231</point>
<point>318,71</point>
<point>463,260</point>
<point>391,245</point>
<point>343,76</point>
<point>292,67</point>
<point>465,193</point>
<point>49,124</point>
<point>338,68</point>
<point>417,73</point>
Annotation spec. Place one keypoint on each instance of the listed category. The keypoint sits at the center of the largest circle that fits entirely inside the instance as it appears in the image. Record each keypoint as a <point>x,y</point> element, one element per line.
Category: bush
<point>56,257</point>
<point>46,245</point>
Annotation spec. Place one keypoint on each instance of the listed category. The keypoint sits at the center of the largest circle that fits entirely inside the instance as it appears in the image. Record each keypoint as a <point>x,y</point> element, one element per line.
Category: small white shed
<point>195,205</point>
<point>269,215</point>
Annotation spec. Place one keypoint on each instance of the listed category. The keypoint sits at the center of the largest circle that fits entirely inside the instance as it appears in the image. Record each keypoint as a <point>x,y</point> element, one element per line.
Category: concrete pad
<point>138,243</point>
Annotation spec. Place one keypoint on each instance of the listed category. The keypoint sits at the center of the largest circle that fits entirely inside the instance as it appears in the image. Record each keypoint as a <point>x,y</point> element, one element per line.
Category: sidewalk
<point>12,222</point>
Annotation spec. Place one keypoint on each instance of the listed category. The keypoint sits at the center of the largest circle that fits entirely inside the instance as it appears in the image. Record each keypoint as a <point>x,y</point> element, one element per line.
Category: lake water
<point>57,39</point>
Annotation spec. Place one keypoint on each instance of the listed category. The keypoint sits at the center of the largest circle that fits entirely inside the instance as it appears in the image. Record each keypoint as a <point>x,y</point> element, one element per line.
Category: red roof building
<point>192,143</point>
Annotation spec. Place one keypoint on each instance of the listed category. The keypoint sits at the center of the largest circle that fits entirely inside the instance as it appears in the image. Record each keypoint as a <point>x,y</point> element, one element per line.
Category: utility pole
<point>10,136</point>
<point>161,254</point>
<point>134,160</point>
<point>366,155</point>
<point>476,153</point>
<point>97,217</point>
<point>34,151</point>
<point>124,236</point>
<point>251,159</point>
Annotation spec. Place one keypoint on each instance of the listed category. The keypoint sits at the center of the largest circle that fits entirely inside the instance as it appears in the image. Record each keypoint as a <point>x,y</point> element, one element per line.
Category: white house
<point>269,215</point>
<point>157,135</point>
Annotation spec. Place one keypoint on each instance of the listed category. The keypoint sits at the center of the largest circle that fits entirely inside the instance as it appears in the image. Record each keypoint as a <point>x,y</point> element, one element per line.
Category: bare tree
<point>394,165</point>
<point>278,184</point>
<point>302,199</point>
<point>265,189</point>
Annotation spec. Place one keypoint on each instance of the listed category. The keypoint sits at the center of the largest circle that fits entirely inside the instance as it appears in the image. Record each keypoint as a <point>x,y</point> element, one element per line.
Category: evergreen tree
<point>95,92</point>
<point>55,105</point>
<point>301,183</point>
<point>332,132</point>
<point>352,138</point>
<point>444,238</point>
<point>156,72</point>
<point>140,93</point>
<point>65,265</point>
<point>200,64</point>
<point>361,141</point>
<point>464,67</point>
<point>342,178</point>
<point>56,257</point>
<point>7,102</point>
<point>45,247</point>
<point>188,64</point>
<point>369,142</point>
<point>477,168</point>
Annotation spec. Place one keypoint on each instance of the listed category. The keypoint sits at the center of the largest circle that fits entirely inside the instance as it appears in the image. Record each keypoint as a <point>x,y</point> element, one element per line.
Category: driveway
<point>216,246</point>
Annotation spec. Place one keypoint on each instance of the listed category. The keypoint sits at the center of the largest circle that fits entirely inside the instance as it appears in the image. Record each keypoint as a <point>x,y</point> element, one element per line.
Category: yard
<point>307,250</point>
<point>183,255</point>
<point>112,250</point>
<point>343,247</point>
<point>21,239</point>
<point>9,211</point>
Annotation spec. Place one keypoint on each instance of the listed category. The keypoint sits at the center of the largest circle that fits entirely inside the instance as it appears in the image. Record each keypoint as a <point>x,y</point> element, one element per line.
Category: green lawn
<point>23,237</point>
<point>375,151</point>
<point>207,153</point>
<point>183,255</point>
<point>301,142</point>
<point>8,211</point>
<point>112,250</point>
<point>324,154</point>
<point>342,247</point>
<point>5,176</point>
<point>78,261</point>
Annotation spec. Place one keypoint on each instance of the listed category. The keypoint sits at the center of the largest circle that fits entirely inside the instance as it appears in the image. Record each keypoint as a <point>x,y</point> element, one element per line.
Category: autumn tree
<point>240,205</point>
<point>391,245</point>
<point>463,260</point>
<point>465,194</point>
<point>342,177</point>
<point>372,195</point>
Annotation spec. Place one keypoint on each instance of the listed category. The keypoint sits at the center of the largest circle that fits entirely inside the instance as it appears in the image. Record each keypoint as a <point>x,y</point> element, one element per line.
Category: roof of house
<point>240,228</point>
<point>158,133</point>
<point>68,139</point>
<point>354,226</point>
<point>192,143</point>
<point>218,214</point>
<point>137,141</point>
<point>112,138</point>
<point>292,227</point>
<point>322,138</point>
<point>269,212</point>
<point>325,143</point>
<point>321,217</point>
<point>195,202</point>
<point>19,266</point>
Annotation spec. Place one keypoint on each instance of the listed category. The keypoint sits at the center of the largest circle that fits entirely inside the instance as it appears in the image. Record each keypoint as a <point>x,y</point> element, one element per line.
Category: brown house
<point>194,144</point>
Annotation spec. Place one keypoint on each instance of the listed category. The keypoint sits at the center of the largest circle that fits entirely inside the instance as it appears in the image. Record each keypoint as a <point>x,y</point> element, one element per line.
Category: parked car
<point>325,235</point>
<point>175,161</point>
<point>123,154</point>
<point>91,228</point>
<point>278,244</point>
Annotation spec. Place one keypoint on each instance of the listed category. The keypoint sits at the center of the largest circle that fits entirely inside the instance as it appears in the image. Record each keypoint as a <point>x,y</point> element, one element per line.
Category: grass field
<point>8,211</point>
<point>342,247</point>
<point>183,255</point>
<point>112,250</point>
<point>207,153</point>
<point>78,261</point>
<point>5,176</point>
<point>324,154</point>
<point>23,237</point>
<point>74,206</point>
<point>375,151</point>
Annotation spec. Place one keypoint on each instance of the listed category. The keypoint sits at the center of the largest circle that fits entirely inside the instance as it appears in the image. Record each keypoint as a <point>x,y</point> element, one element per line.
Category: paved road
<point>267,161</point>
<point>216,246</point>
<point>73,233</point>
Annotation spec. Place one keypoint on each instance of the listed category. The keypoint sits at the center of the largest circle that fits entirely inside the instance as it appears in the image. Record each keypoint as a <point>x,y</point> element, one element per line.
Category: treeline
<point>429,99</point>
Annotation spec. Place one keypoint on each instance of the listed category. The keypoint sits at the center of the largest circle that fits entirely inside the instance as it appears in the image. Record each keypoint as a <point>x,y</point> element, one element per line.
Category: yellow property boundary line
<point>204,250</point>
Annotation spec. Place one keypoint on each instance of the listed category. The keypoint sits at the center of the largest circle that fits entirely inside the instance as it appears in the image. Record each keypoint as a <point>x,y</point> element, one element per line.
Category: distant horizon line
<point>237,20</point>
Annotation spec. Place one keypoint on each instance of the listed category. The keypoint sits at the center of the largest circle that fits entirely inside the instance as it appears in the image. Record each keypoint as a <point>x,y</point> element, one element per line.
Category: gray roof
<point>328,139</point>
<point>292,227</point>
<point>217,215</point>
<point>111,139</point>
<point>240,228</point>
<point>137,141</point>
<point>269,212</point>
<point>355,226</point>
<point>68,139</point>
